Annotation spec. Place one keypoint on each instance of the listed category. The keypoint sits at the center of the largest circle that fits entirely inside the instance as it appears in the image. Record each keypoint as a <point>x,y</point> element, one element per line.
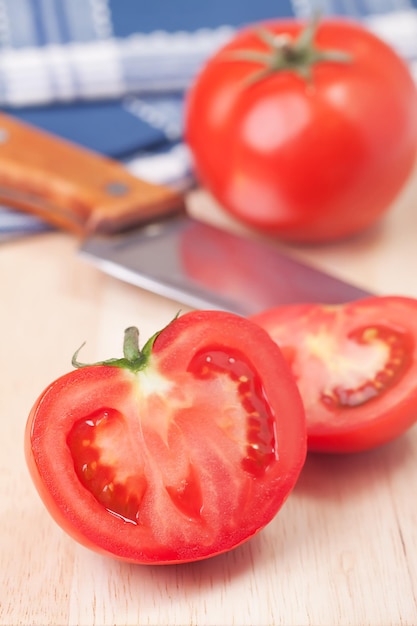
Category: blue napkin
<point>111,74</point>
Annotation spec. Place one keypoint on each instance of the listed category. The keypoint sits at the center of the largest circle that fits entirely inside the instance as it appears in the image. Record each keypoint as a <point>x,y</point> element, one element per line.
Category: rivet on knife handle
<point>72,187</point>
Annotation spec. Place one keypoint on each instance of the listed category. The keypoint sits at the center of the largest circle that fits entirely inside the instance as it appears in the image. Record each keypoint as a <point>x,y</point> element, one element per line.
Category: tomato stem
<point>133,358</point>
<point>285,54</point>
<point>131,349</point>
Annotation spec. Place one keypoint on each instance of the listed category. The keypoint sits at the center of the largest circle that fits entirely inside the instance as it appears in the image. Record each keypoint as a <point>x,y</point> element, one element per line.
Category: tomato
<point>307,133</point>
<point>355,365</point>
<point>174,453</point>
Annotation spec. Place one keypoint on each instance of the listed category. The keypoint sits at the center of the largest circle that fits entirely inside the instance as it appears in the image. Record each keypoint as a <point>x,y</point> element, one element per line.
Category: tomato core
<point>261,447</point>
<point>399,346</point>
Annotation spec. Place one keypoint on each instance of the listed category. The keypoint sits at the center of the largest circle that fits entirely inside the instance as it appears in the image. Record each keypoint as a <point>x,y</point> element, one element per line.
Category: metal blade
<point>205,267</point>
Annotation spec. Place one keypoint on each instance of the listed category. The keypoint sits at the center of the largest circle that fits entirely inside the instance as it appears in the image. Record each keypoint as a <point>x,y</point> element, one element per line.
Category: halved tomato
<point>355,365</point>
<point>174,453</point>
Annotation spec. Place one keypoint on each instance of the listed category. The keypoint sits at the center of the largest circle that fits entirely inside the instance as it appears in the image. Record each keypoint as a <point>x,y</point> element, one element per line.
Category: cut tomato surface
<point>179,453</point>
<point>356,368</point>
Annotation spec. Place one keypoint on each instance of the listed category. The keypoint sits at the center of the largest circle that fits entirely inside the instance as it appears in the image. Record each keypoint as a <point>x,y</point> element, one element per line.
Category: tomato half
<point>308,133</point>
<point>356,368</point>
<point>180,452</point>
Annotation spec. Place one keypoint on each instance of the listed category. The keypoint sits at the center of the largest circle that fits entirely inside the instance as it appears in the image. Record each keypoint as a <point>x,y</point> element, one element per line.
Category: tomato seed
<point>399,359</point>
<point>86,442</point>
<point>261,445</point>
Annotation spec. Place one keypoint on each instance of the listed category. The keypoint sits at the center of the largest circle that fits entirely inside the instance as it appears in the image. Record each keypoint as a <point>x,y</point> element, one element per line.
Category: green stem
<point>131,344</point>
<point>133,358</point>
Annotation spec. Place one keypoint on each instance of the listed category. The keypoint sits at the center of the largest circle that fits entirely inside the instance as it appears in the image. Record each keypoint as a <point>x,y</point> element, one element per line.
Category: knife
<point>140,232</point>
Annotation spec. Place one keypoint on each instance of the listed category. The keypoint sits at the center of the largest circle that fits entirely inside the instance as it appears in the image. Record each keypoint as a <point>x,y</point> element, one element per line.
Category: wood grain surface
<point>343,549</point>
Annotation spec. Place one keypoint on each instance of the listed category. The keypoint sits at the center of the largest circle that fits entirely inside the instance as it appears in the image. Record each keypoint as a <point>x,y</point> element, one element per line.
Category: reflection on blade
<point>206,267</point>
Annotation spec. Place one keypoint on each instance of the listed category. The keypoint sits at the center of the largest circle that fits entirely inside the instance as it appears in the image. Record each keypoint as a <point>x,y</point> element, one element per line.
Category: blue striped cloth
<point>111,74</point>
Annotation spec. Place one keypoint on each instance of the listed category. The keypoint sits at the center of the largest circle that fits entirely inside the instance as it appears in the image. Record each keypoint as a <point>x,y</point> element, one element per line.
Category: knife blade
<point>140,232</point>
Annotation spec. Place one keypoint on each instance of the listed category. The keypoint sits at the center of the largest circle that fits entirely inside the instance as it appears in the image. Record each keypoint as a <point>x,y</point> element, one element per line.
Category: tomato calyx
<point>134,359</point>
<point>285,54</point>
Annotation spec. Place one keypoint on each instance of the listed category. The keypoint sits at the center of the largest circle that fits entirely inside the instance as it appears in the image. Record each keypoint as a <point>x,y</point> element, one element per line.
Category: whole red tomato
<point>356,368</point>
<point>174,453</point>
<point>308,133</point>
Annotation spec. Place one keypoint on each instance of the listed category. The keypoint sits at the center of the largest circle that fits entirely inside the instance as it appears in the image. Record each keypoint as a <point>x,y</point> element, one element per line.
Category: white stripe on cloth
<point>108,68</point>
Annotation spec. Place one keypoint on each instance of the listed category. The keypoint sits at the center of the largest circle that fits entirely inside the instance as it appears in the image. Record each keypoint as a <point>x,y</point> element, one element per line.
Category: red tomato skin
<point>307,161</point>
<point>81,392</point>
<point>364,426</point>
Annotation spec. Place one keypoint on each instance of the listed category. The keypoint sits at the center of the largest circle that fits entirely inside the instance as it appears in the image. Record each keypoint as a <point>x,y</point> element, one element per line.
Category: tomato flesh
<point>355,366</point>
<point>398,347</point>
<point>260,434</point>
<point>178,461</point>
<point>96,444</point>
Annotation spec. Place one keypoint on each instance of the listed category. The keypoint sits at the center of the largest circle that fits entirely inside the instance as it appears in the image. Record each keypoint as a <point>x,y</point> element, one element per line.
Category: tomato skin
<point>307,161</point>
<point>373,379</point>
<point>178,431</point>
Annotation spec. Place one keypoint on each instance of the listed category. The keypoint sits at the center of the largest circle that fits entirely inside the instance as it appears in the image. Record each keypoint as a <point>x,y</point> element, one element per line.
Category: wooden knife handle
<point>72,187</point>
